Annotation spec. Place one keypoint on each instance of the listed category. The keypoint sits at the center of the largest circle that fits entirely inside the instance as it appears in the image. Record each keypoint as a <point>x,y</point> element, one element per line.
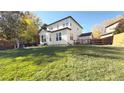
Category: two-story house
<point>107,37</point>
<point>62,32</point>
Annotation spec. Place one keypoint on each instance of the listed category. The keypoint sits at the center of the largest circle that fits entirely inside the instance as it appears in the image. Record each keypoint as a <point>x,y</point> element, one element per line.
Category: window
<point>51,28</point>
<point>57,26</point>
<point>64,25</point>
<point>71,36</point>
<point>67,24</point>
<point>43,38</point>
<point>58,36</point>
<point>50,38</point>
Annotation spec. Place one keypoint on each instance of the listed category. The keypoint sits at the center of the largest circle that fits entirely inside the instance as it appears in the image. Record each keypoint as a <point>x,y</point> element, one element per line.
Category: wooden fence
<point>118,39</point>
<point>106,41</point>
<point>5,44</point>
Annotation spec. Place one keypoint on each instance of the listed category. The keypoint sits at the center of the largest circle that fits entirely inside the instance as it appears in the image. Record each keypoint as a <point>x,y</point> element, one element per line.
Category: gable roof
<point>114,23</point>
<point>107,33</point>
<point>85,34</point>
<point>58,30</point>
<point>64,19</point>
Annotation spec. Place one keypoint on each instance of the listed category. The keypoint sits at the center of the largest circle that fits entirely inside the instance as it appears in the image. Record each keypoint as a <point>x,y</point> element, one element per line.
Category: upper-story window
<point>51,28</point>
<point>64,25</point>
<point>57,26</point>
<point>67,24</point>
<point>58,36</point>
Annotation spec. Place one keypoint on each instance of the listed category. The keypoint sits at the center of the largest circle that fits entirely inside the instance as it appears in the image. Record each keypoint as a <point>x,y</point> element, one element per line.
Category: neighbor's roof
<point>64,19</point>
<point>111,25</point>
<point>114,23</point>
<point>85,34</point>
<point>107,33</point>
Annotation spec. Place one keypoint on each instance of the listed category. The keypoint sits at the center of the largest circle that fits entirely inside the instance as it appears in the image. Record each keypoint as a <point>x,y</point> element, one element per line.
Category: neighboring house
<point>85,38</point>
<point>107,37</point>
<point>64,31</point>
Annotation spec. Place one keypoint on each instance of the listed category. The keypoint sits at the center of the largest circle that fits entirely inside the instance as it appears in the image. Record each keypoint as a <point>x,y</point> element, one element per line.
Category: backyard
<point>63,63</point>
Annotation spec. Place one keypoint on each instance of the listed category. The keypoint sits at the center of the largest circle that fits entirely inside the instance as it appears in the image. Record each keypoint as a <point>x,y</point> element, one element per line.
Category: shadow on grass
<point>102,52</point>
<point>47,55</point>
<point>39,56</point>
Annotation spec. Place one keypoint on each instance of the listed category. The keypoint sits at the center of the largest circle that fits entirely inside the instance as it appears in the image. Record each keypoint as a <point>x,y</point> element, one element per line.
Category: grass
<point>63,63</point>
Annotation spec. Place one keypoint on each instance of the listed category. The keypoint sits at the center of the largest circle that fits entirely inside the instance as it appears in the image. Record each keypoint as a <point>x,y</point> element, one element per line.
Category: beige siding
<point>111,28</point>
<point>76,30</point>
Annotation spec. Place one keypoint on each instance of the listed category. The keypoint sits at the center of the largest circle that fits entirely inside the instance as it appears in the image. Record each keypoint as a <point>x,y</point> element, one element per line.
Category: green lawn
<point>63,63</point>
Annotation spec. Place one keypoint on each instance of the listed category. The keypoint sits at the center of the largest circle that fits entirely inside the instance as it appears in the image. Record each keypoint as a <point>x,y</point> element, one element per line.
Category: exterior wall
<point>46,34</point>
<point>53,37</point>
<point>60,24</point>
<point>111,28</point>
<point>64,38</point>
<point>118,39</point>
<point>85,39</point>
<point>76,30</point>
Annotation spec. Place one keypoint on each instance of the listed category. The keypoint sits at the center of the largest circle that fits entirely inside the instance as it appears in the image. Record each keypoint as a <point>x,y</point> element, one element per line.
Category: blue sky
<point>86,18</point>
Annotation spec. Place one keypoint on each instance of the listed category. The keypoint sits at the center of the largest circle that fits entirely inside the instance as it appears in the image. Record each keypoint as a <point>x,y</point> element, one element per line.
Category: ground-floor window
<point>58,36</point>
<point>43,38</point>
<point>50,38</point>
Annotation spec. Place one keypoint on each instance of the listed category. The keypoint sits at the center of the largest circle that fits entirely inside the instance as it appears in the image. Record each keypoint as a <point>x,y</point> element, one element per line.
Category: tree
<point>1,34</point>
<point>97,31</point>
<point>30,27</point>
<point>10,23</point>
<point>19,27</point>
<point>120,27</point>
